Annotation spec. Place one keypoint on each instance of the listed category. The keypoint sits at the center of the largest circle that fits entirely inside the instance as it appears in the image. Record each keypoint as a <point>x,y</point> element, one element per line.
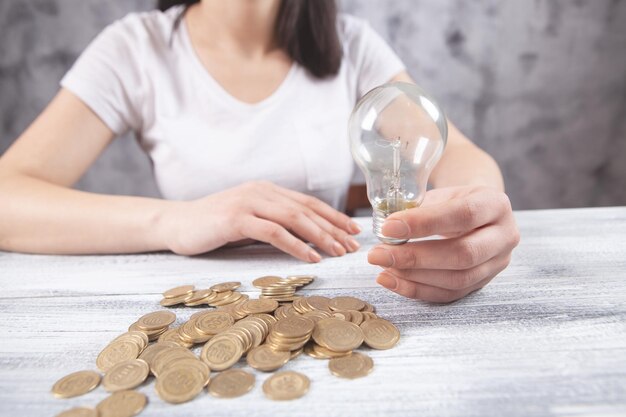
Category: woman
<point>242,107</point>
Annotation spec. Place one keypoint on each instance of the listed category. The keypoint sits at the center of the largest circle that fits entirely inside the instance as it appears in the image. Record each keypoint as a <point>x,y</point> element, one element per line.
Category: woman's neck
<point>241,26</point>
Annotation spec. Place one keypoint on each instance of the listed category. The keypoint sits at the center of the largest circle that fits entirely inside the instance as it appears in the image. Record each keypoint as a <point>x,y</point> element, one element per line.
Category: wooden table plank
<point>547,337</point>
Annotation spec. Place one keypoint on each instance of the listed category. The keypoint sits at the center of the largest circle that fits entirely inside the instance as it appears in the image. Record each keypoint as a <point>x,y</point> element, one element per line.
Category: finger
<point>335,217</point>
<point>425,292</point>
<point>456,253</point>
<point>293,219</point>
<point>348,242</point>
<point>455,216</point>
<point>277,236</point>
<point>340,235</point>
<point>453,279</point>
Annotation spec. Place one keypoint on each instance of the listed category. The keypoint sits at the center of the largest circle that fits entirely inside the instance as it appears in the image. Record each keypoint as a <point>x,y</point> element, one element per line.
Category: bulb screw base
<point>378,218</point>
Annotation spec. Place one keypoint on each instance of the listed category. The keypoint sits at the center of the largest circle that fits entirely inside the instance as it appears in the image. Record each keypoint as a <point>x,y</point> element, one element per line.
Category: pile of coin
<point>218,295</point>
<point>268,332</point>
<point>281,289</point>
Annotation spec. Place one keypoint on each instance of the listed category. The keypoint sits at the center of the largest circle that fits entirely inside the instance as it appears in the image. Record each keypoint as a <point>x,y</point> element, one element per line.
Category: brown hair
<point>305,29</point>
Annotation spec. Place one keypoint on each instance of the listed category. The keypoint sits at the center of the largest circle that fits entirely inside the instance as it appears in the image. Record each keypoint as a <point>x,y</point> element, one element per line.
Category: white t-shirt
<point>142,74</point>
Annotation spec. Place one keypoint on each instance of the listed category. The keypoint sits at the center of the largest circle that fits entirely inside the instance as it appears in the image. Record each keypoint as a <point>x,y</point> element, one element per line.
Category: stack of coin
<point>290,333</point>
<point>154,324</point>
<point>125,347</point>
<point>281,289</point>
<point>227,347</point>
<point>218,295</point>
<point>177,295</point>
<point>173,335</point>
<point>181,376</point>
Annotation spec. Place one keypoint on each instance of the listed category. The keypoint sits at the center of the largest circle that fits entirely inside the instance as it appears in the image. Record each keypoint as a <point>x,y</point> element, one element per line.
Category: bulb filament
<point>395,194</point>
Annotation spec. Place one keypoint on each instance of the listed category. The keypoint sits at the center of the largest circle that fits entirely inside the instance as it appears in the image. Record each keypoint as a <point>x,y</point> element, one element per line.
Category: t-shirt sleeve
<point>107,78</point>
<point>373,60</point>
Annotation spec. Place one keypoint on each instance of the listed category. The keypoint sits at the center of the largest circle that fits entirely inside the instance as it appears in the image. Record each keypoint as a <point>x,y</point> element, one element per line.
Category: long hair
<point>305,29</point>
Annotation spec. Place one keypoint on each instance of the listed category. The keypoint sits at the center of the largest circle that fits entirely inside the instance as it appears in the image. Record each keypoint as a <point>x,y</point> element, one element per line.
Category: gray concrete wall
<point>540,84</point>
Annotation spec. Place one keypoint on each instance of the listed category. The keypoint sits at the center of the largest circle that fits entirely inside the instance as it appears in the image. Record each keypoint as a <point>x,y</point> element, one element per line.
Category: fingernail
<point>338,249</point>
<point>380,256</point>
<point>354,227</point>
<point>352,244</point>
<point>314,256</point>
<point>395,228</point>
<point>387,281</point>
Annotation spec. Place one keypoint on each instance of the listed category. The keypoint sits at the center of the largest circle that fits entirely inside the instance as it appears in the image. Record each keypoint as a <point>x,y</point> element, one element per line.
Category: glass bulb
<point>397,135</point>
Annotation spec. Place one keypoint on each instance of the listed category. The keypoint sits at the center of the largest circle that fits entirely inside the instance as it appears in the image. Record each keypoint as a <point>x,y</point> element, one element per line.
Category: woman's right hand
<point>260,211</point>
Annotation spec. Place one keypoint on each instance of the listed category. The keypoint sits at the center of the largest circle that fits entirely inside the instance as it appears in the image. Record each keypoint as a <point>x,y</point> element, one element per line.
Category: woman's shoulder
<point>350,27</point>
<point>152,28</point>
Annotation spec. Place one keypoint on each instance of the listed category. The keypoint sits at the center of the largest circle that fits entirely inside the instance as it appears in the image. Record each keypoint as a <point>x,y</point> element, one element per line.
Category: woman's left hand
<point>479,234</point>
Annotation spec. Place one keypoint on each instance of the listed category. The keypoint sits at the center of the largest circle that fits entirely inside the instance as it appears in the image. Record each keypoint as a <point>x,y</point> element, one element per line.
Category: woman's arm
<point>470,210</point>
<point>40,213</point>
<point>462,162</point>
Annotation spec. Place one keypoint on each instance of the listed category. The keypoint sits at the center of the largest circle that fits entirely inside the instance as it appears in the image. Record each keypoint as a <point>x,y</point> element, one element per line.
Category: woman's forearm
<point>467,165</point>
<point>464,163</point>
<point>39,217</point>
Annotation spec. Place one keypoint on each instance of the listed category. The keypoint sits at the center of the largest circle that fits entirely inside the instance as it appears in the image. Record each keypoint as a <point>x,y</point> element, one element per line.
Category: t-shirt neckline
<point>213,84</point>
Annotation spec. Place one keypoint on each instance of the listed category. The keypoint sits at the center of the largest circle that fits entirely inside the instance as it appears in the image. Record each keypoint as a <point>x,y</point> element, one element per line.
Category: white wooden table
<point>548,337</point>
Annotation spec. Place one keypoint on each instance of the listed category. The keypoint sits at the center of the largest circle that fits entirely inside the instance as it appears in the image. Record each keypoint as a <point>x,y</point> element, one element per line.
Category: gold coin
<point>198,297</point>
<point>231,383</point>
<point>317,315</point>
<point>116,352</point>
<point>266,359</point>
<point>171,355</point>
<point>259,306</point>
<point>368,308</point>
<point>318,302</point>
<point>213,322</point>
<point>173,335</point>
<point>169,302</point>
<point>190,334</point>
<point>140,337</point>
<point>356,317</point>
<point>354,365</point>
<point>346,303</point>
<point>77,383</point>
<point>309,349</point>
<point>156,320</point>
<point>192,363</point>
<point>267,281</point>
<point>221,353</point>
<point>286,385</point>
<point>233,296</point>
<point>368,315</point>
<point>293,327</point>
<point>226,286</point>
<point>79,412</point>
<point>151,334</point>
<point>342,315</point>
<point>122,404</point>
<point>326,353</point>
<point>126,375</point>
<point>178,291</point>
<point>180,384</point>
<point>380,333</point>
<point>151,351</point>
<point>338,335</point>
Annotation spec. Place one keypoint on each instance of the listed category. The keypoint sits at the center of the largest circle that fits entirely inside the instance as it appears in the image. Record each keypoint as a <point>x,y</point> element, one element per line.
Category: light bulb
<point>397,135</point>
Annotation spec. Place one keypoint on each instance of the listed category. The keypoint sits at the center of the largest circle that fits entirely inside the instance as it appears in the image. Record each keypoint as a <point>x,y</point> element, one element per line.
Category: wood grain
<point>547,337</point>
